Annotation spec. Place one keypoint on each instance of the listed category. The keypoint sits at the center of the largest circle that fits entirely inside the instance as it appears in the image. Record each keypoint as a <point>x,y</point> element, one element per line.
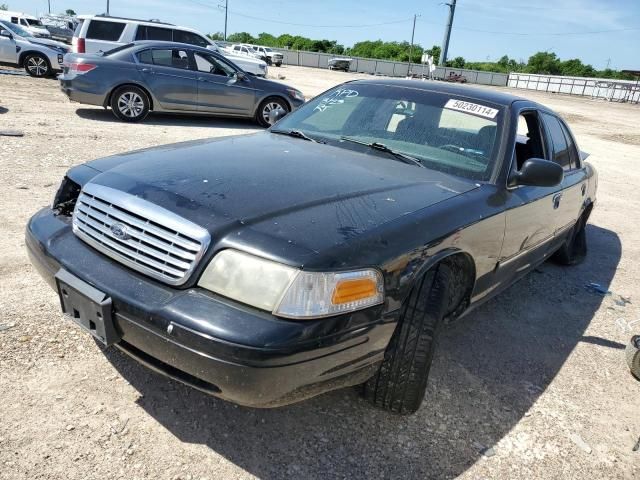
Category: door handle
<point>583,189</point>
<point>556,200</point>
<point>202,79</point>
<point>147,70</point>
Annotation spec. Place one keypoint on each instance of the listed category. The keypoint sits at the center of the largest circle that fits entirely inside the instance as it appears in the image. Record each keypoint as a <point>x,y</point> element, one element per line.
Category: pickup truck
<point>268,55</point>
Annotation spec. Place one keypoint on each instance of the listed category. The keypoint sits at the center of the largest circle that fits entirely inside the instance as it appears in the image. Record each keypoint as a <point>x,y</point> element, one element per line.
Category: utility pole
<point>49,3</point>
<point>107,7</point>
<point>226,14</point>
<point>447,33</point>
<point>413,32</point>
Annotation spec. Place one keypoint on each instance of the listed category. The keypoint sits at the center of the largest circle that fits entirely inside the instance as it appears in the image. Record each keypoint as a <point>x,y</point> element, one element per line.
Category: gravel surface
<point>531,385</point>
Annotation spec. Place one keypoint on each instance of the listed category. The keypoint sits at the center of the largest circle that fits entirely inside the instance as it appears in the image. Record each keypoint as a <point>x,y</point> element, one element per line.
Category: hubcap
<point>37,66</point>
<point>267,109</point>
<point>130,104</point>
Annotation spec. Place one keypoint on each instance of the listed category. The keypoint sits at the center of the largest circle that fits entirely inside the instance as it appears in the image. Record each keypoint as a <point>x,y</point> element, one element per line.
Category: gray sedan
<point>140,77</point>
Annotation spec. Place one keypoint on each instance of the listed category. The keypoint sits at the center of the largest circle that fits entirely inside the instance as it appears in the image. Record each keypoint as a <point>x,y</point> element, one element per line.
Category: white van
<point>96,33</point>
<point>28,22</point>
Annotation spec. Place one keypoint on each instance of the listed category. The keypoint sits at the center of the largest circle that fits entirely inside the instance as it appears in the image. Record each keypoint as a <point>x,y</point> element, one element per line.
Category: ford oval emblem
<point>119,231</point>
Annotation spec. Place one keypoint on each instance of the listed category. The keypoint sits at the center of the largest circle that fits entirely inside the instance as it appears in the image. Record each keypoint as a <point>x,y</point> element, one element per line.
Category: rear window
<point>154,33</point>
<point>188,37</point>
<point>34,23</point>
<point>108,31</point>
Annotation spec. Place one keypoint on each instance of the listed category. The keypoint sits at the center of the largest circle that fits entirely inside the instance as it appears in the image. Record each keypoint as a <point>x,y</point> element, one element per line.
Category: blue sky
<point>482,29</point>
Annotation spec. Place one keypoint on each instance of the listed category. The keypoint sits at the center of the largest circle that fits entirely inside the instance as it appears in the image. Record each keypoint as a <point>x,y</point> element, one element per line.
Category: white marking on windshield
<point>336,97</point>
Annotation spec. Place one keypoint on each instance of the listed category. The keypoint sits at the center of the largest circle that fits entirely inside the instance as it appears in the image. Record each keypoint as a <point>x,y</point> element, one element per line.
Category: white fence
<point>612,90</point>
<point>388,67</point>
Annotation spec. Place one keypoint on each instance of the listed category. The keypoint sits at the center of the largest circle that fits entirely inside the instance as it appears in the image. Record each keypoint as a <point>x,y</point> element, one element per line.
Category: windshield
<point>267,49</point>
<point>444,132</point>
<point>17,30</point>
<point>34,23</point>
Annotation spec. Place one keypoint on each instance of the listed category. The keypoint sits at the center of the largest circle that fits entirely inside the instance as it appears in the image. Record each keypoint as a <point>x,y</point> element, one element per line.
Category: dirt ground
<point>531,385</point>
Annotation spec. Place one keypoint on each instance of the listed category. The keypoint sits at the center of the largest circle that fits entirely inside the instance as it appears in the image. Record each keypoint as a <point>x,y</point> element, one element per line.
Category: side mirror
<point>276,114</point>
<point>538,173</point>
<point>6,33</point>
<point>241,76</point>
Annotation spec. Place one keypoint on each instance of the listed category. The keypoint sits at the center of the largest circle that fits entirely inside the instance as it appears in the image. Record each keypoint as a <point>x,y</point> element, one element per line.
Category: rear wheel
<point>400,384</point>
<point>130,103</point>
<point>266,107</point>
<point>633,356</point>
<point>574,249</point>
<point>37,65</point>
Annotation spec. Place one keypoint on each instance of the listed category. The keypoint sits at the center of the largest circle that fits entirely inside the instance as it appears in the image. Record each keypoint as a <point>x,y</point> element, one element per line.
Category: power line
<point>320,26</point>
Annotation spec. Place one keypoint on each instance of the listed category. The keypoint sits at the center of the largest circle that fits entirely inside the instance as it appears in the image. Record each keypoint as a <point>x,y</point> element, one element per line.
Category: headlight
<point>288,292</point>
<point>297,94</point>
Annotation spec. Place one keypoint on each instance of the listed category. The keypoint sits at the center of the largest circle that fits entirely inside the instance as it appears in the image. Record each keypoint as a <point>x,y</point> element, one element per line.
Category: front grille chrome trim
<point>158,242</point>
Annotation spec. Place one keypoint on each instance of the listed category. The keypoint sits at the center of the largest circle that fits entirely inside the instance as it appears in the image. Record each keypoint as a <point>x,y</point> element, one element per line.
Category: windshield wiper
<point>296,134</point>
<point>403,157</point>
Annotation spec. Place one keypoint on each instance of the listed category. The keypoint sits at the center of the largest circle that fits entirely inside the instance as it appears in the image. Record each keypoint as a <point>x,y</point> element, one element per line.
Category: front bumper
<point>223,348</point>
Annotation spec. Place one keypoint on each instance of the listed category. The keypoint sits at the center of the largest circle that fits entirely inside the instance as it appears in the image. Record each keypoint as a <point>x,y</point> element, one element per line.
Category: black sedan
<point>328,251</point>
<point>140,77</point>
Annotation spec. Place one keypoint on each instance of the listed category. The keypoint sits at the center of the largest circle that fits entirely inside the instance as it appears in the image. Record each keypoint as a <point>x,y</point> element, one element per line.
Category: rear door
<point>570,198</point>
<point>102,36</point>
<point>219,90</point>
<point>168,74</point>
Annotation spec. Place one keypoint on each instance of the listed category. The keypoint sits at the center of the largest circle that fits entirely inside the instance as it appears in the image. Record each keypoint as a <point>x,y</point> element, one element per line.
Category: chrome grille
<point>139,234</point>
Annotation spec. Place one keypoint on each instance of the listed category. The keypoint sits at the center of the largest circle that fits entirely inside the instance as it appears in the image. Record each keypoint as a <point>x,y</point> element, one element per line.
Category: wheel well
<point>107,101</point>
<point>463,271</point>
<point>23,55</point>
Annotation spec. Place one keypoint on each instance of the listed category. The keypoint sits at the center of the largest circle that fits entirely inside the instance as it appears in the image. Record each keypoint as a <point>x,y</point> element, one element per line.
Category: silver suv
<point>39,57</point>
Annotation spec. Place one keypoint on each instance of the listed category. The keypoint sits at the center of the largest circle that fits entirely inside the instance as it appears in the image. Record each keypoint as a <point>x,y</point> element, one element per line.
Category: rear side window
<point>14,19</point>
<point>560,147</point>
<point>76,33</point>
<point>154,33</point>
<point>108,31</point>
<point>187,37</point>
<point>573,150</point>
<point>145,57</point>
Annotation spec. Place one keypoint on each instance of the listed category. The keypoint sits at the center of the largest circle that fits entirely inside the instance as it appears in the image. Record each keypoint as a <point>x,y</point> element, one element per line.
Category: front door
<point>8,52</point>
<point>219,88</point>
<point>168,74</point>
<point>531,217</point>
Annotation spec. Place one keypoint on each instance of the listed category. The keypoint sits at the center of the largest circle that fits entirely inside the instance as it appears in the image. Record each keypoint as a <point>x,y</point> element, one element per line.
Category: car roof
<point>492,96</point>
<point>139,22</point>
<point>161,44</point>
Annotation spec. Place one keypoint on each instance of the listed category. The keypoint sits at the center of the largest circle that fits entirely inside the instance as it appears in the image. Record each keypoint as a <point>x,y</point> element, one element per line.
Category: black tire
<point>574,249</point>
<point>130,103</point>
<point>633,356</point>
<point>268,104</point>
<point>400,384</point>
<point>268,61</point>
<point>37,65</point>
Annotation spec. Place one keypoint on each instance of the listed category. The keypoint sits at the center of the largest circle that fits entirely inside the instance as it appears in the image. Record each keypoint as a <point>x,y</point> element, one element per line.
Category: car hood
<point>269,187</point>
<point>49,43</point>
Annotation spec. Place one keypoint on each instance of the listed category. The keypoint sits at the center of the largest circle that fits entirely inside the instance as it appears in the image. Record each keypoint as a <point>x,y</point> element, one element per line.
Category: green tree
<point>216,36</point>
<point>545,63</point>
<point>458,62</point>
<point>70,12</point>
<point>241,37</point>
<point>4,6</point>
<point>435,53</point>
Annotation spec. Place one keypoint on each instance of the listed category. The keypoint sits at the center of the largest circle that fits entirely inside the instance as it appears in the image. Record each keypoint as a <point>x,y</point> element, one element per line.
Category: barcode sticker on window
<point>472,108</point>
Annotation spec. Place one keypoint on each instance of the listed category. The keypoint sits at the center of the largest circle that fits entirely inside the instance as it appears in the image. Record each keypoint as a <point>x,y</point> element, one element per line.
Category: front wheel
<point>633,356</point>
<point>265,108</point>
<point>401,382</point>
<point>37,65</point>
<point>130,103</point>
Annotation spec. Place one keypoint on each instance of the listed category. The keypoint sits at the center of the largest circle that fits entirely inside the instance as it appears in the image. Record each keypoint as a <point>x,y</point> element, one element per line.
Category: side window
<point>574,156</point>
<point>182,36</point>
<point>157,33</point>
<point>145,57</point>
<point>529,142</point>
<point>141,32</point>
<point>560,147</point>
<point>23,22</point>
<point>237,48</point>
<point>174,58</point>
<point>210,64</point>
<point>108,31</point>
<point>14,19</point>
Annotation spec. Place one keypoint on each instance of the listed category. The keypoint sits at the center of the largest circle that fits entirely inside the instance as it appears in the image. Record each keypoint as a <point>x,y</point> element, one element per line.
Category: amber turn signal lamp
<point>353,290</point>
